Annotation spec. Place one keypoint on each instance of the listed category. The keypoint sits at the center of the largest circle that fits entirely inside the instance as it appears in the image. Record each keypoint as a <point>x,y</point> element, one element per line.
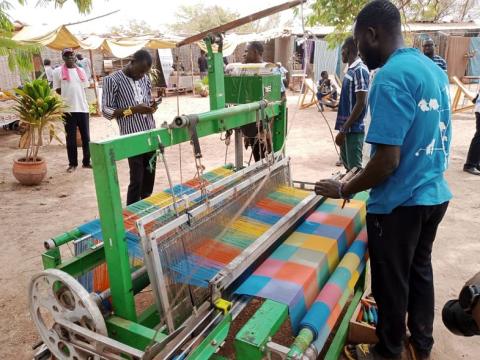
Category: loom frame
<point>125,325</point>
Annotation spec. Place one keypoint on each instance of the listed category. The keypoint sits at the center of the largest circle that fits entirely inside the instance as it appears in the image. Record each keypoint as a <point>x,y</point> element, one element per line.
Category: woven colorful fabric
<point>97,280</point>
<point>210,255</point>
<point>302,264</point>
<point>329,297</point>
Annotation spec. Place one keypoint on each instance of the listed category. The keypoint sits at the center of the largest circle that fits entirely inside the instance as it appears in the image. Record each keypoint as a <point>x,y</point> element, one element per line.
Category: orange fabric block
<point>297,273</point>
<point>274,206</point>
<point>216,251</point>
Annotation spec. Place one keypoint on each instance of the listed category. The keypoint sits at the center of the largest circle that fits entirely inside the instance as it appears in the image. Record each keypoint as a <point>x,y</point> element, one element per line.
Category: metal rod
<point>95,84</point>
<point>107,292</point>
<point>63,239</point>
<point>234,110</point>
<point>238,149</point>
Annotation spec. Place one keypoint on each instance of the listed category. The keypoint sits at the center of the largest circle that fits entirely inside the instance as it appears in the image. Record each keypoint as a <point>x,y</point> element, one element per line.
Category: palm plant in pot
<point>39,109</point>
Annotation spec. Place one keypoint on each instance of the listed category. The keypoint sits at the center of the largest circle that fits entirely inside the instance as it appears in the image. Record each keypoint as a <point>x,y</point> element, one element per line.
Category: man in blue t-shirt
<point>410,133</point>
<point>352,107</point>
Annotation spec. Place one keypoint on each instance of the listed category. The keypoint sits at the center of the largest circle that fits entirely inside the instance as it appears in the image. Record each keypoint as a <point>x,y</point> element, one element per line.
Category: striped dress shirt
<point>121,92</point>
<point>357,79</point>
<point>440,62</point>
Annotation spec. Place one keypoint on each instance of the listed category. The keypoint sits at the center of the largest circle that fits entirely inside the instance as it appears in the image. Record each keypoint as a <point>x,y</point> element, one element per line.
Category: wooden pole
<point>242,21</point>
<point>95,84</point>
<point>191,65</point>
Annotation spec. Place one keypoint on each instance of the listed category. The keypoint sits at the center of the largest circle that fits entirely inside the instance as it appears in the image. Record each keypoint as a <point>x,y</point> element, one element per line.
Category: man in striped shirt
<point>127,97</point>
<point>352,107</point>
<point>429,51</point>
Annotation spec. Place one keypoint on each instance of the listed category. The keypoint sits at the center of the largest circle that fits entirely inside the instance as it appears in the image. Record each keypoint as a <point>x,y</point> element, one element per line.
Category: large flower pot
<point>29,172</point>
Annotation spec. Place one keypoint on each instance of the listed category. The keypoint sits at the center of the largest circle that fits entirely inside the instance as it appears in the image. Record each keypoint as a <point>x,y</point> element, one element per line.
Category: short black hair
<point>256,45</point>
<point>379,13</point>
<point>324,72</point>
<point>350,44</point>
<point>429,39</point>
<point>143,56</point>
<point>46,62</point>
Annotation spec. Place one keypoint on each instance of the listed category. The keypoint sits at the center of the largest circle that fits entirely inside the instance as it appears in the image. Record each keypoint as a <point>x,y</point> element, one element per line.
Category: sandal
<point>360,352</point>
<point>416,354</point>
<point>364,352</point>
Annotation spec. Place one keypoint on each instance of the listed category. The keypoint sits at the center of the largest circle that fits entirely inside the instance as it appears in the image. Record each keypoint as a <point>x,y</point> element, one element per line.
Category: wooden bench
<point>174,91</point>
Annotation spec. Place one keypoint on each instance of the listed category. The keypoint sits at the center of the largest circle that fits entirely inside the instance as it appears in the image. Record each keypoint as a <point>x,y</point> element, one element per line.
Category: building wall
<point>269,51</point>
<point>284,51</point>
<point>8,79</point>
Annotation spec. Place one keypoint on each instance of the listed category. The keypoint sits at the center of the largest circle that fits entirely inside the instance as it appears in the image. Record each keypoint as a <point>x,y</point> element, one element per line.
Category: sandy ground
<point>32,214</point>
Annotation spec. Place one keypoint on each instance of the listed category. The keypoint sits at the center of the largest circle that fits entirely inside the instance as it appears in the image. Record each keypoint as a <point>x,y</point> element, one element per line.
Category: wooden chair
<point>309,90</point>
<point>462,93</point>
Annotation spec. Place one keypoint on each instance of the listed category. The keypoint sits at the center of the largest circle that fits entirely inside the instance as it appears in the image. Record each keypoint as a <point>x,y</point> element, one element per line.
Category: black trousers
<point>72,121</point>
<point>258,149</point>
<point>400,247</point>
<point>250,132</point>
<point>142,177</point>
<point>473,157</point>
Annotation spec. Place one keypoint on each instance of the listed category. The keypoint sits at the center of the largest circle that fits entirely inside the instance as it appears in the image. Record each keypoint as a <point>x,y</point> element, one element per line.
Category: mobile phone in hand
<point>157,101</point>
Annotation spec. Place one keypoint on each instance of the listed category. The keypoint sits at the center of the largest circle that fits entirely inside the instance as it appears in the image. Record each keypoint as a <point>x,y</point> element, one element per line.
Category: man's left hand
<point>340,139</point>
<point>328,188</point>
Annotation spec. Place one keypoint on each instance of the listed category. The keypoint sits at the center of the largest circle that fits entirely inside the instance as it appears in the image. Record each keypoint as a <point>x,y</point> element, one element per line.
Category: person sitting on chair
<point>327,92</point>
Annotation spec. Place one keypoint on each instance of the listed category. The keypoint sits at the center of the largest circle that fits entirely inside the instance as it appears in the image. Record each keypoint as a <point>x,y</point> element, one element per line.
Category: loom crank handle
<point>190,122</point>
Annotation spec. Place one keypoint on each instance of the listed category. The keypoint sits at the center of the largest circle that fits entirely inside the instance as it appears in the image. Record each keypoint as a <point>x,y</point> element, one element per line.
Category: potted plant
<point>39,109</point>
<point>201,87</point>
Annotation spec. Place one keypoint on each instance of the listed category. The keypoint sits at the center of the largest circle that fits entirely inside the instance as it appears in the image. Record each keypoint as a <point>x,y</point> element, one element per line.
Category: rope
<point>178,114</point>
<point>331,132</point>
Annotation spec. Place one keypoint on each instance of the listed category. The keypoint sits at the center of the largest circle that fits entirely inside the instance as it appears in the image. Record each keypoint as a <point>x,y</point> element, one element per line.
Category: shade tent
<point>60,37</point>
<point>53,37</point>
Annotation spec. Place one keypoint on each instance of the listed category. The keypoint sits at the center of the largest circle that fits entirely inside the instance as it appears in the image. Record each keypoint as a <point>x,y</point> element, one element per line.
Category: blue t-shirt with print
<point>410,108</point>
<point>356,79</point>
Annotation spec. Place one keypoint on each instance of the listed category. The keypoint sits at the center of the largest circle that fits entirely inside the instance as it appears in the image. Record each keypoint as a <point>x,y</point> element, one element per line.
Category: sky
<point>156,13</point>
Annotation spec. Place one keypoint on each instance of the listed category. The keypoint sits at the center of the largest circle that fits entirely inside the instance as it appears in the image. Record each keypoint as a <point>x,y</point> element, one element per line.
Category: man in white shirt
<point>70,82</point>
<point>47,66</point>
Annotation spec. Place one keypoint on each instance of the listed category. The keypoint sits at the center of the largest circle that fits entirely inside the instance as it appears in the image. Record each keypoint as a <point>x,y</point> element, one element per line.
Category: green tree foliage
<point>20,56</point>
<point>341,13</point>
<point>197,18</point>
<point>134,28</point>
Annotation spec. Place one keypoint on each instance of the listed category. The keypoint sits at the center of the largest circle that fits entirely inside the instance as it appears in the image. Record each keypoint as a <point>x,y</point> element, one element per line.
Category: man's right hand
<point>142,109</point>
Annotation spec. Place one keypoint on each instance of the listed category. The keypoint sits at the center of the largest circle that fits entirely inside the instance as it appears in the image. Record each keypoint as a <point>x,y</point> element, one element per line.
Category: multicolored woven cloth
<point>299,268</point>
<point>322,315</point>
<point>210,255</point>
<point>97,280</point>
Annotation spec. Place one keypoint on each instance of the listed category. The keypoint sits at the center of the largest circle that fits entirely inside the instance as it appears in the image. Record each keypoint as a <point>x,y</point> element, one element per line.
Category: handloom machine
<point>167,277</point>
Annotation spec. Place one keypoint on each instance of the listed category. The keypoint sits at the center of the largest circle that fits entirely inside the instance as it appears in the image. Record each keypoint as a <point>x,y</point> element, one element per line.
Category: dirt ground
<point>30,215</point>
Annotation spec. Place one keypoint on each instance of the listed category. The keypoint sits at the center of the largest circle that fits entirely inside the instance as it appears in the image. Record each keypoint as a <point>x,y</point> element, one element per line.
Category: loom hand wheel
<point>54,295</point>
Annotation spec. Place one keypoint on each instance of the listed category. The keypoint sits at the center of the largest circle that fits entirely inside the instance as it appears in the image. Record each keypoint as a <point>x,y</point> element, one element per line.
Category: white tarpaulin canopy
<point>60,37</point>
